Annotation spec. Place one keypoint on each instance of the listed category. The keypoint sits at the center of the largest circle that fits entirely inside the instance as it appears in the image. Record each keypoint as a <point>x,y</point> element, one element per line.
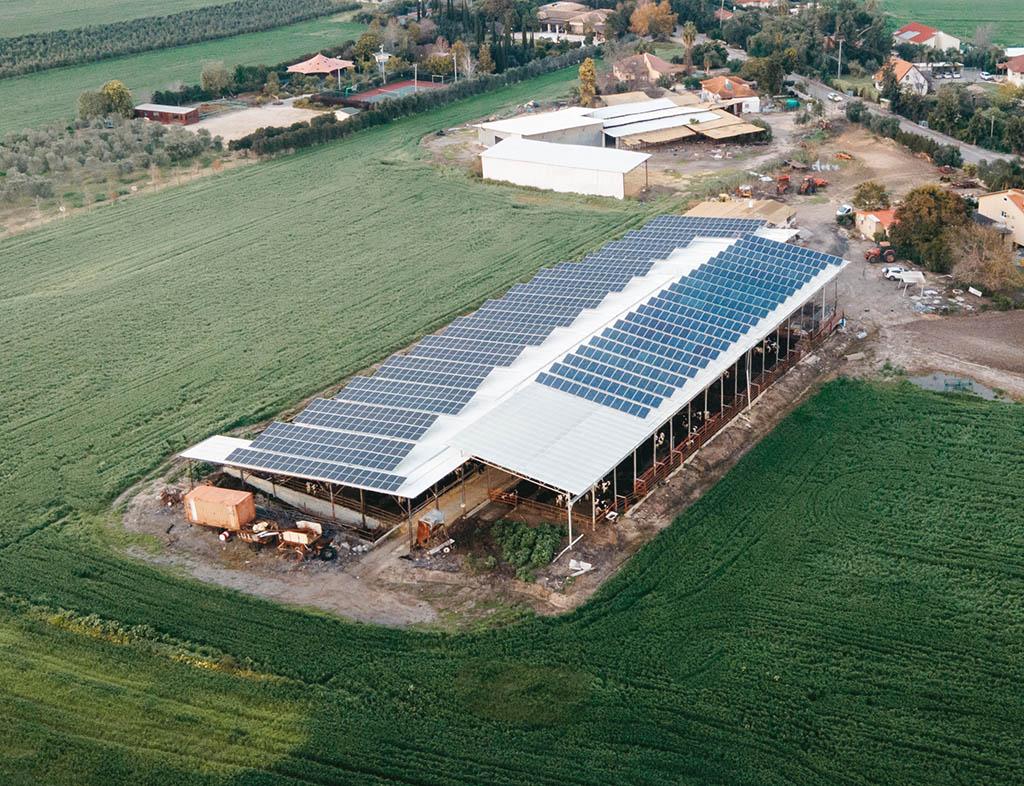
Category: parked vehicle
<point>835,97</point>
<point>894,272</point>
<point>985,76</point>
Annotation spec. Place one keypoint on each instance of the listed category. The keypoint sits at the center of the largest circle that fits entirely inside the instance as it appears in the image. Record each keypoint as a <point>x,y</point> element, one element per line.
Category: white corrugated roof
<point>171,110</point>
<point>632,108</point>
<point>542,122</point>
<point>569,443</point>
<point>214,449</point>
<point>601,159</point>
<point>666,122</point>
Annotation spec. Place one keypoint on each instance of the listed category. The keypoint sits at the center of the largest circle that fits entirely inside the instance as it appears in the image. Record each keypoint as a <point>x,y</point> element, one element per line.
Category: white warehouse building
<point>572,126</point>
<point>575,169</point>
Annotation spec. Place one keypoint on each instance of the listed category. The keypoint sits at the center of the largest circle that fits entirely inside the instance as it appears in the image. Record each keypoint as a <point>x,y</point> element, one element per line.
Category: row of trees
<point>992,120</point>
<point>42,162</point>
<point>266,141</point>
<point>39,51</point>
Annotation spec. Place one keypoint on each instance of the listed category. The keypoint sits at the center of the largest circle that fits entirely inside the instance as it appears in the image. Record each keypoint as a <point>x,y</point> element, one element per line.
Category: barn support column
<point>412,529</point>
<point>748,378</point>
<point>192,481</point>
<point>822,320</point>
<point>362,506</point>
<point>689,419</point>
<point>671,436</point>
<point>634,470</point>
<point>330,493</point>
<point>569,501</point>
<point>593,508</point>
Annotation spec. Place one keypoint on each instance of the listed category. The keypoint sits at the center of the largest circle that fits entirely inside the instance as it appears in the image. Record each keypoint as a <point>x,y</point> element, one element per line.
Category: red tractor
<point>883,252</point>
<point>811,184</point>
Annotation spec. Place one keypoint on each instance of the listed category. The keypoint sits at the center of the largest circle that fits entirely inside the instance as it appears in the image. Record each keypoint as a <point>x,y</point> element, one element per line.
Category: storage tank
<point>222,508</point>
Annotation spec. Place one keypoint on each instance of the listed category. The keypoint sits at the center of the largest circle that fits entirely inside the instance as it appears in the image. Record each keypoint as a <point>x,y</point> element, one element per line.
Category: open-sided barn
<point>590,382</point>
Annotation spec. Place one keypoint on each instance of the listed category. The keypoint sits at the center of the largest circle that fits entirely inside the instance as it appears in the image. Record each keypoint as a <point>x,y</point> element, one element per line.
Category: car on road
<point>894,272</point>
<point>835,97</point>
<point>986,76</point>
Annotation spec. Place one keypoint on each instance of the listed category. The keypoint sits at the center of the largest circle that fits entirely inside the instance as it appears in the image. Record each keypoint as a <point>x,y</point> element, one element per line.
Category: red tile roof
<point>1015,64</point>
<point>728,87</point>
<point>921,33</point>
<point>885,217</point>
<point>899,67</point>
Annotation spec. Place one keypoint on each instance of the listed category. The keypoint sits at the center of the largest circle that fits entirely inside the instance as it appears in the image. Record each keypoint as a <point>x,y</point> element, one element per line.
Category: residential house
<point>753,5</point>
<point>1014,70</point>
<point>871,223</point>
<point>923,35</point>
<point>723,15</point>
<point>908,77</point>
<point>566,18</point>
<point>738,94</point>
<point>644,70</point>
<point>1005,208</point>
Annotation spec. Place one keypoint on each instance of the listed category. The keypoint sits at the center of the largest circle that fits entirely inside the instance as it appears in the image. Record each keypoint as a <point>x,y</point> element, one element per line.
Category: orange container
<point>221,508</point>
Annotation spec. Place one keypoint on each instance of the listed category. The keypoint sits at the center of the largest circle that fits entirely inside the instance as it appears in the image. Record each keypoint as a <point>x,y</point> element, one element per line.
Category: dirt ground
<point>240,122</point>
<point>885,334</point>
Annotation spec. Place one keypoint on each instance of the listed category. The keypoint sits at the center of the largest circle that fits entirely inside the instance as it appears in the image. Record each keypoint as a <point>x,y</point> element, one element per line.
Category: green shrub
<point>526,548</point>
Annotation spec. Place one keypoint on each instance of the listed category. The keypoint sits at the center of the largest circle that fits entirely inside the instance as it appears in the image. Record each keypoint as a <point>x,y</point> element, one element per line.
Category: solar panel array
<point>646,356</point>
<point>361,435</point>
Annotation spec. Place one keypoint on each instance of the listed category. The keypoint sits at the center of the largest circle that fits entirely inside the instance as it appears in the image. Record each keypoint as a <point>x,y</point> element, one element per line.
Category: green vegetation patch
<point>37,99</point>
<point>521,693</point>
<point>526,548</point>
<point>961,19</point>
<point>19,17</point>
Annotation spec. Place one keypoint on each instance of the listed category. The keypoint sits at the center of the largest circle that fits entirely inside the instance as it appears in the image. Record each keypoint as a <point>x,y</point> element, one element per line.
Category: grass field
<point>48,96</point>
<point>18,17</point>
<point>961,19</point>
<point>845,607</point>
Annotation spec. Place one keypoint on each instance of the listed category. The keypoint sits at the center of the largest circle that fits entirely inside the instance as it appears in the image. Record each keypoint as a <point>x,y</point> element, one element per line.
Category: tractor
<point>883,252</point>
<point>782,184</point>
<point>811,184</point>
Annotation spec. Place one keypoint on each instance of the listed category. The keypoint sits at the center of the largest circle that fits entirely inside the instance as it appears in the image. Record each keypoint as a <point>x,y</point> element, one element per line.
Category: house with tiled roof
<point>1005,208</point>
<point>738,94</point>
<point>723,14</point>
<point>572,18</point>
<point>1014,68</point>
<point>923,35</point>
<point>908,77</point>
<point>644,70</point>
<point>873,224</point>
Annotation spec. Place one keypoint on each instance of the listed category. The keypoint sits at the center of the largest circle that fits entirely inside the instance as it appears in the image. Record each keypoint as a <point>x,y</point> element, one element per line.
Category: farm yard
<point>961,19</point>
<point>36,99</point>
<point>844,606</point>
<point>19,17</point>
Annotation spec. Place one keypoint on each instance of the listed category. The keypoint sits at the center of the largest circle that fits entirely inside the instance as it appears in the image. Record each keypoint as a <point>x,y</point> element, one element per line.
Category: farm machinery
<point>782,184</point>
<point>812,184</point>
<point>301,542</point>
<point>883,252</point>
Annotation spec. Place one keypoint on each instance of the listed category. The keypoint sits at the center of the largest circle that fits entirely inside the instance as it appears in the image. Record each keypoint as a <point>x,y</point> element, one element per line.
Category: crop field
<point>844,607</point>
<point>35,99</point>
<point>961,19</point>
<point>18,17</point>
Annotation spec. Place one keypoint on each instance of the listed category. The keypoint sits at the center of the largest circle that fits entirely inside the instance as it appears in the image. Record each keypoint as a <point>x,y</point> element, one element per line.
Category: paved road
<point>972,154</point>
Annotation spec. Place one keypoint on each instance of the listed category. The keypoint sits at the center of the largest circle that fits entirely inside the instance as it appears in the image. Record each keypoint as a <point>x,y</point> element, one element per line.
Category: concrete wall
<point>636,181</point>
<point>555,178</point>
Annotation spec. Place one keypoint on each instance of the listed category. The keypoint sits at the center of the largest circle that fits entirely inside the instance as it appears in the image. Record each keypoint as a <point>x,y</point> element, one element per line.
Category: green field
<point>19,17</point>
<point>845,607</point>
<point>961,19</point>
<point>48,96</point>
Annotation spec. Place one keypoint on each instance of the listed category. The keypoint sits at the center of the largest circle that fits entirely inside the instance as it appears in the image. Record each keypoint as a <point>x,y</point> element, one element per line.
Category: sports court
<point>396,90</point>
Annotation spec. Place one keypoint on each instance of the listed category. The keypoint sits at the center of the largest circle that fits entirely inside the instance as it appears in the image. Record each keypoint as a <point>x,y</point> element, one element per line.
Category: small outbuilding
<point>164,113</point>
<point>873,224</point>
<point>575,169</point>
<point>571,126</point>
<point>213,506</point>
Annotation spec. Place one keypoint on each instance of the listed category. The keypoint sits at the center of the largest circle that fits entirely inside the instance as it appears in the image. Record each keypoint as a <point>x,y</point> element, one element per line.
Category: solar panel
<point>362,435</point>
<point>650,352</point>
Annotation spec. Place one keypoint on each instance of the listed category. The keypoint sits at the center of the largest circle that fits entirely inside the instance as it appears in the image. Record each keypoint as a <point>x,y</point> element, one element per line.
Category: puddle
<point>947,383</point>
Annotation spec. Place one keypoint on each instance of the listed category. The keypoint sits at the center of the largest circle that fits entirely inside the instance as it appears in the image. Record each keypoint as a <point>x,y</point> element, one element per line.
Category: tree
<point>654,19</point>
<point>983,259</point>
<point>689,38</point>
<point>441,65</point>
<point>463,58</point>
<point>768,72</point>
<point>215,77</point>
<point>588,82</point>
<point>91,104</point>
<point>922,221</point>
<point>118,98</point>
<point>367,45</point>
<point>870,195</point>
<point>484,61</point>
<point>273,85</point>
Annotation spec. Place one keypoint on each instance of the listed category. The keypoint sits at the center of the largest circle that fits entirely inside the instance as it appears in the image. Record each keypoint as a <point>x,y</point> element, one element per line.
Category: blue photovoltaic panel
<point>649,353</point>
<point>364,433</point>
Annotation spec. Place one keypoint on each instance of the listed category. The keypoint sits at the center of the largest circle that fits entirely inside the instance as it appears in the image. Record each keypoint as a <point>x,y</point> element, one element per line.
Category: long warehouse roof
<point>422,414</point>
<point>601,159</point>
